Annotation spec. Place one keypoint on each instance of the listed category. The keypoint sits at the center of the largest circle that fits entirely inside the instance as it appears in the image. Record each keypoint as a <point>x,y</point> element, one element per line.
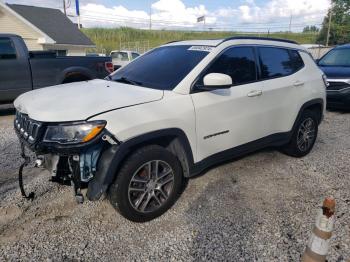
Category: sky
<point>241,15</point>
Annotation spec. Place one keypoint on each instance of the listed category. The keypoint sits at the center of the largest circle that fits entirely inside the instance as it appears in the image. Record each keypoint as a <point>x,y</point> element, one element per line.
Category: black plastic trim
<point>259,38</point>
<point>313,102</point>
<point>112,158</point>
<point>239,151</point>
<point>244,38</point>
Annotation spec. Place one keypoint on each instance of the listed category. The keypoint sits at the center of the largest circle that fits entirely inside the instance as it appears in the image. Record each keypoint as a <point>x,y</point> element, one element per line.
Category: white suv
<point>171,114</point>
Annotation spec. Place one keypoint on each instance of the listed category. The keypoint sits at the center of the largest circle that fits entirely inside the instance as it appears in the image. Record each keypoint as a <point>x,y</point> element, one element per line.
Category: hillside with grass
<point>129,38</point>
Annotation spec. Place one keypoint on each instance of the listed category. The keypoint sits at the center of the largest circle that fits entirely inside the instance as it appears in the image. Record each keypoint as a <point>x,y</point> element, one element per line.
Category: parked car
<point>122,58</point>
<point>336,65</point>
<point>171,114</point>
<point>22,71</point>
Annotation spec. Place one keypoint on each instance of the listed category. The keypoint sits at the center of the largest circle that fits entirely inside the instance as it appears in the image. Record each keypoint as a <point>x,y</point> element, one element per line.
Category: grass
<point>140,40</point>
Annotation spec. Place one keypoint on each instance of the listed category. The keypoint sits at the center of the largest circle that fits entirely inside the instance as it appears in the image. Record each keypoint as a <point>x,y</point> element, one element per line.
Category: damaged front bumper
<point>75,165</point>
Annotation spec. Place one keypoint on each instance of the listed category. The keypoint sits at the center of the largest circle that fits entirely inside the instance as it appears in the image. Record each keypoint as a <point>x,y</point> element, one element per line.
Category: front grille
<point>27,128</point>
<point>336,86</point>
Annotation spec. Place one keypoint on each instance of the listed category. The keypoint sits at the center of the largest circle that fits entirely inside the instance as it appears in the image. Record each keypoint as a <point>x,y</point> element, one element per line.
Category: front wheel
<point>304,135</point>
<point>147,185</point>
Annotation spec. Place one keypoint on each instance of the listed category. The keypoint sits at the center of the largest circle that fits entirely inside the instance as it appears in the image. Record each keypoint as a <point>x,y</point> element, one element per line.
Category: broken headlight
<point>73,133</point>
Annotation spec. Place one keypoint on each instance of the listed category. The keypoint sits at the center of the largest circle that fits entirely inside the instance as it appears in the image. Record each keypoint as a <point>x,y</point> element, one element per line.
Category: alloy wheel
<point>306,134</point>
<point>150,186</point>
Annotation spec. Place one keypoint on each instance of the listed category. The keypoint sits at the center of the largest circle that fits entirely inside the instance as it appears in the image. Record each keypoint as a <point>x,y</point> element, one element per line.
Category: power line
<point>177,21</point>
<point>194,27</point>
<point>168,23</point>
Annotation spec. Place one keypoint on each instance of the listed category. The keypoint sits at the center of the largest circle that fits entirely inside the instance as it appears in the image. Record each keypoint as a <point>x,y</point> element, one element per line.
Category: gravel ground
<point>259,208</point>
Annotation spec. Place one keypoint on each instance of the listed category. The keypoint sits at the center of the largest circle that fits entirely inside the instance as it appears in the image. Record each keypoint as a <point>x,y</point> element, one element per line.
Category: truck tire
<point>147,185</point>
<point>75,78</point>
<point>304,135</point>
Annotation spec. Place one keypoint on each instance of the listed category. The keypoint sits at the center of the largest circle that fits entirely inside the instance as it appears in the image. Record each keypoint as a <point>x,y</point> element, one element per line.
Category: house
<point>44,29</point>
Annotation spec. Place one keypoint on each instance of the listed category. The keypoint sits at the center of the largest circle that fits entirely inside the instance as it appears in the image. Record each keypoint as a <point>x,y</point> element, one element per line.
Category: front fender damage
<point>106,169</point>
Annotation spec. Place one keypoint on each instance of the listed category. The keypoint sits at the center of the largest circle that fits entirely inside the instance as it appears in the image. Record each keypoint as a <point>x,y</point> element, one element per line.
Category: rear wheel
<point>147,185</point>
<point>304,135</point>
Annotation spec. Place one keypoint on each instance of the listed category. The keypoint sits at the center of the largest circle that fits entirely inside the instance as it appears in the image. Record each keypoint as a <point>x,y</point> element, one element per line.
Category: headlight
<point>73,133</point>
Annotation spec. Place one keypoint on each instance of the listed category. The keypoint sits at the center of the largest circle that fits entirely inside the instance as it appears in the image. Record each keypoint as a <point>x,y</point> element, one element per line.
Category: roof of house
<point>53,23</point>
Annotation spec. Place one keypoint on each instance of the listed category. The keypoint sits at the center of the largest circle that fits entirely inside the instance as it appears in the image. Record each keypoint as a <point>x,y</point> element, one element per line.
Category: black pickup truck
<point>22,71</point>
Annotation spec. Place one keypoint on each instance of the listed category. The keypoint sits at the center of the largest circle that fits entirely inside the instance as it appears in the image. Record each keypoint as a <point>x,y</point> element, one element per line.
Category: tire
<point>140,195</point>
<point>75,78</point>
<point>300,145</point>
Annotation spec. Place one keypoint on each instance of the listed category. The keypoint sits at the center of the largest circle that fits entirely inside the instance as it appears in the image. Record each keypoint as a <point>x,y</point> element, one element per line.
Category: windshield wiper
<point>128,81</point>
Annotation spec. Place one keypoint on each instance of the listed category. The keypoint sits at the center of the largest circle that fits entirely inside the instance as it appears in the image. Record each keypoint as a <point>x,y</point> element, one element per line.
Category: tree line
<point>336,22</point>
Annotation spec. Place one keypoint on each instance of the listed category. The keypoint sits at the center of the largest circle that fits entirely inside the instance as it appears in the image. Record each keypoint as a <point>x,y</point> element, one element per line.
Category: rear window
<point>7,49</point>
<point>120,56</point>
<point>134,55</point>
<point>278,62</point>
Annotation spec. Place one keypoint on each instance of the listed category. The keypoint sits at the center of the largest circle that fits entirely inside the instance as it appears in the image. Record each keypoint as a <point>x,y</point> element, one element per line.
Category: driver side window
<point>237,62</point>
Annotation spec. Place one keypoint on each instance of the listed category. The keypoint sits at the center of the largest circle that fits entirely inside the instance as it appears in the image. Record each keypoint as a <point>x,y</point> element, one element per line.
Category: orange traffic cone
<point>317,248</point>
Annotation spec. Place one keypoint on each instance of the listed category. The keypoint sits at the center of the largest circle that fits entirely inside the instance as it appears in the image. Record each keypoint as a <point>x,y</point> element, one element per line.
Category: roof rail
<point>259,38</point>
<point>175,41</point>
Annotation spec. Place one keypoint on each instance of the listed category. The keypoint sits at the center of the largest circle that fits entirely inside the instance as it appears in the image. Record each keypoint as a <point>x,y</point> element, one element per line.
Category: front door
<point>227,118</point>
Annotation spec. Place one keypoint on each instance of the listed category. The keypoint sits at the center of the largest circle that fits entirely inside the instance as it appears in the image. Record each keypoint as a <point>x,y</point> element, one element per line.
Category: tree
<point>340,24</point>
<point>311,29</point>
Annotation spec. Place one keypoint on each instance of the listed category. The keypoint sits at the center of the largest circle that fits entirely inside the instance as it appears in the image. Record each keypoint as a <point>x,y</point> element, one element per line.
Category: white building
<point>43,29</point>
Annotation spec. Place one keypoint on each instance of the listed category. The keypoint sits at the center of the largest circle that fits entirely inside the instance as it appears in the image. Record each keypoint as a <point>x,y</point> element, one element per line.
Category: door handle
<point>254,93</point>
<point>298,83</point>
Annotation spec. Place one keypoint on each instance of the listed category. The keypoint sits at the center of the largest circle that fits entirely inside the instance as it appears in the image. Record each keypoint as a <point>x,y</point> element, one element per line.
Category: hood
<point>81,100</point>
<point>336,71</point>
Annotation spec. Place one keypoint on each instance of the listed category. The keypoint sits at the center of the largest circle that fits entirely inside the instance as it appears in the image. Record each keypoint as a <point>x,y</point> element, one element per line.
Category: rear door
<point>282,80</point>
<point>15,76</point>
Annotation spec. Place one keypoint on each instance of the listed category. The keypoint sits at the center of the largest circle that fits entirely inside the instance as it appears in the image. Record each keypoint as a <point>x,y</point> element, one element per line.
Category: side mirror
<point>216,81</point>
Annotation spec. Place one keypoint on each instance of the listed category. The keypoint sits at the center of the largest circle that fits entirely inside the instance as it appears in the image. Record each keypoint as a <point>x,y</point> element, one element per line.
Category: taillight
<point>325,81</point>
<point>109,67</point>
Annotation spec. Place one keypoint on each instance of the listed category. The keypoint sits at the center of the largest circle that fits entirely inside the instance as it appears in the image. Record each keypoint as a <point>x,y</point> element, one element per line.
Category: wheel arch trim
<point>308,104</point>
<point>113,157</point>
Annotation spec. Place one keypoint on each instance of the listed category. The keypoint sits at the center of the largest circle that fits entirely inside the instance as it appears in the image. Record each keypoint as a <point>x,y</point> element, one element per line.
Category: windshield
<point>162,68</point>
<point>336,57</point>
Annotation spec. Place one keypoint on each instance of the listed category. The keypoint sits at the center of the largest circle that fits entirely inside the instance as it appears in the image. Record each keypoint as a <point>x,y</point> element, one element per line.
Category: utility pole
<point>290,22</point>
<point>150,16</point>
<point>329,26</point>
<point>64,7</point>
